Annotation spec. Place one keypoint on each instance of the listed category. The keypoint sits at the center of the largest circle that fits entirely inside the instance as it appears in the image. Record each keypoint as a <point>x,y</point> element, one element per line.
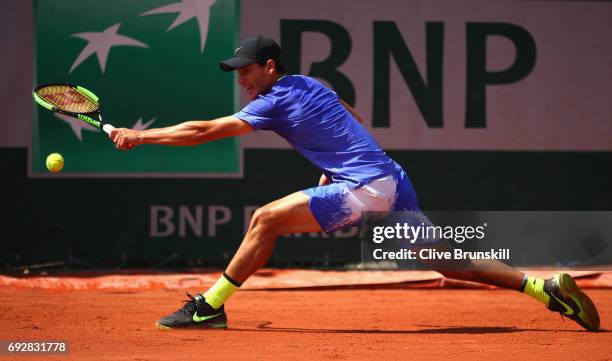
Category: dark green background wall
<point>105,222</point>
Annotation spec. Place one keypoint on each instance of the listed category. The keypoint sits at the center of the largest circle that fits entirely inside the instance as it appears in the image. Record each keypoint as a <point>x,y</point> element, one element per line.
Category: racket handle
<point>107,128</point>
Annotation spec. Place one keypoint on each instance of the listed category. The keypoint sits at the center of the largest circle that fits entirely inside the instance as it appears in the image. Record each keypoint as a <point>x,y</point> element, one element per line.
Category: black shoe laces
<point>190,305</point>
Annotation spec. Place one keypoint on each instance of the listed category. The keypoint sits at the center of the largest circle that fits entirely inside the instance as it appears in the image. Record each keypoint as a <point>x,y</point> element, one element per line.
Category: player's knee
<point>263,219</point>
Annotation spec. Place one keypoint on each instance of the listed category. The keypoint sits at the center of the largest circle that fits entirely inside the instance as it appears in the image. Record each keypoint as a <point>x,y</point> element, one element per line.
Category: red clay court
<point>300,315</point>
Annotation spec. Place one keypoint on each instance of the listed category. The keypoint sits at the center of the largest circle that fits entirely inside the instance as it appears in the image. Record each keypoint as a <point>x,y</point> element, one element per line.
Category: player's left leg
<point>559,294</point>
<point>492,272</point>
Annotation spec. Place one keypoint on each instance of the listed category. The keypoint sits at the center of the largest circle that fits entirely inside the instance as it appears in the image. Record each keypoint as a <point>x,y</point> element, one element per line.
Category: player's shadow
<point>266,326</point>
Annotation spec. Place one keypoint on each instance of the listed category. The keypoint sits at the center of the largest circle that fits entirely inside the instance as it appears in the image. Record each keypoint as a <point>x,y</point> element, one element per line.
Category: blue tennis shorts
<point>337,206</point>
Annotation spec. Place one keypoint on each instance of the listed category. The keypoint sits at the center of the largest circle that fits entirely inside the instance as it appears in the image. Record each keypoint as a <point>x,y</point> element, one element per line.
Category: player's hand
<point>125,138</point>
<point>323,180</point>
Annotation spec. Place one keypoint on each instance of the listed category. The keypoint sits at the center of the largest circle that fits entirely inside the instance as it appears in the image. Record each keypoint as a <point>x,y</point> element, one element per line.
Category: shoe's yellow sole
<point>588,312</point>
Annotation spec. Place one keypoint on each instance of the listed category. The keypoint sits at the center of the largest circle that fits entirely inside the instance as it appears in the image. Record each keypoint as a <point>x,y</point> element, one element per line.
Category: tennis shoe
<point>196,313</point>
<point>567,299</point>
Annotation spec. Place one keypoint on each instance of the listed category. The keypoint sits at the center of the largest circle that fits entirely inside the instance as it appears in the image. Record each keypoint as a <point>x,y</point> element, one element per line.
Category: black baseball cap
<point>255,49</point>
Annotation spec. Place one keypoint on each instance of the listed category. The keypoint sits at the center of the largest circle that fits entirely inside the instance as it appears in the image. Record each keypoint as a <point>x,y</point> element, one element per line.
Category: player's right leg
<point>290,214</point>
<point>287,215</point>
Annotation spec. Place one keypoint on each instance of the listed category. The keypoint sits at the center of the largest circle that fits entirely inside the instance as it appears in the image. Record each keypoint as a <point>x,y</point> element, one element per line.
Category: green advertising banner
<point>152,64</point>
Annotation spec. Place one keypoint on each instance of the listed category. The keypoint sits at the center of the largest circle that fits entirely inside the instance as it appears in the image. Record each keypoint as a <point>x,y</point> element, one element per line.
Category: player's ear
<point>270,66</point>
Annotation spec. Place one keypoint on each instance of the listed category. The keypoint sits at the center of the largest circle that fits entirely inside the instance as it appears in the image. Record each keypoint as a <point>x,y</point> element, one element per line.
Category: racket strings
<point>67,99</point>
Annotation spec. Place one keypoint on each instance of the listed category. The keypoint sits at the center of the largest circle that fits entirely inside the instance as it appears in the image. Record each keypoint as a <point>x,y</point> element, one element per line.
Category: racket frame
<point>86,117</point>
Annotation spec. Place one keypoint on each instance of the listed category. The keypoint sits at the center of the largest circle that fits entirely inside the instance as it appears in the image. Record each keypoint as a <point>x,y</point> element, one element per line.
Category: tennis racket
<point>72,100</point>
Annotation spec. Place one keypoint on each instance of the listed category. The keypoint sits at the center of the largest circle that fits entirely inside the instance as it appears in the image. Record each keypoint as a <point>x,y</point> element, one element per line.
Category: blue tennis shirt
<point>312,119</point>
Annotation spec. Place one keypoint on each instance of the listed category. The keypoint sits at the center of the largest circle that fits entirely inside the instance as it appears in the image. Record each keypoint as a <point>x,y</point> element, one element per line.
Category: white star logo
<point>188,9</point>
<point>140,126</point>
<point>77,125</point>
<point>101,43</point>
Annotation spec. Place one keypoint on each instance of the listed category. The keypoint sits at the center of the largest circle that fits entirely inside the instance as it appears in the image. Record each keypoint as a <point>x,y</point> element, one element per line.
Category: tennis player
<point>357,176</point>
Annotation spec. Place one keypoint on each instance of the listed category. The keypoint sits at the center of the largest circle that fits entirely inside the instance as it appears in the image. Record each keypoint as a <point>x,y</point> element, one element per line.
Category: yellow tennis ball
<point>55,162</point>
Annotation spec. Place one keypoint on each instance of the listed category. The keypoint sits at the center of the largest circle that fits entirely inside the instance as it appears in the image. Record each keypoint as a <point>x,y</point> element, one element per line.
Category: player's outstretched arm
<point>183,134</point>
